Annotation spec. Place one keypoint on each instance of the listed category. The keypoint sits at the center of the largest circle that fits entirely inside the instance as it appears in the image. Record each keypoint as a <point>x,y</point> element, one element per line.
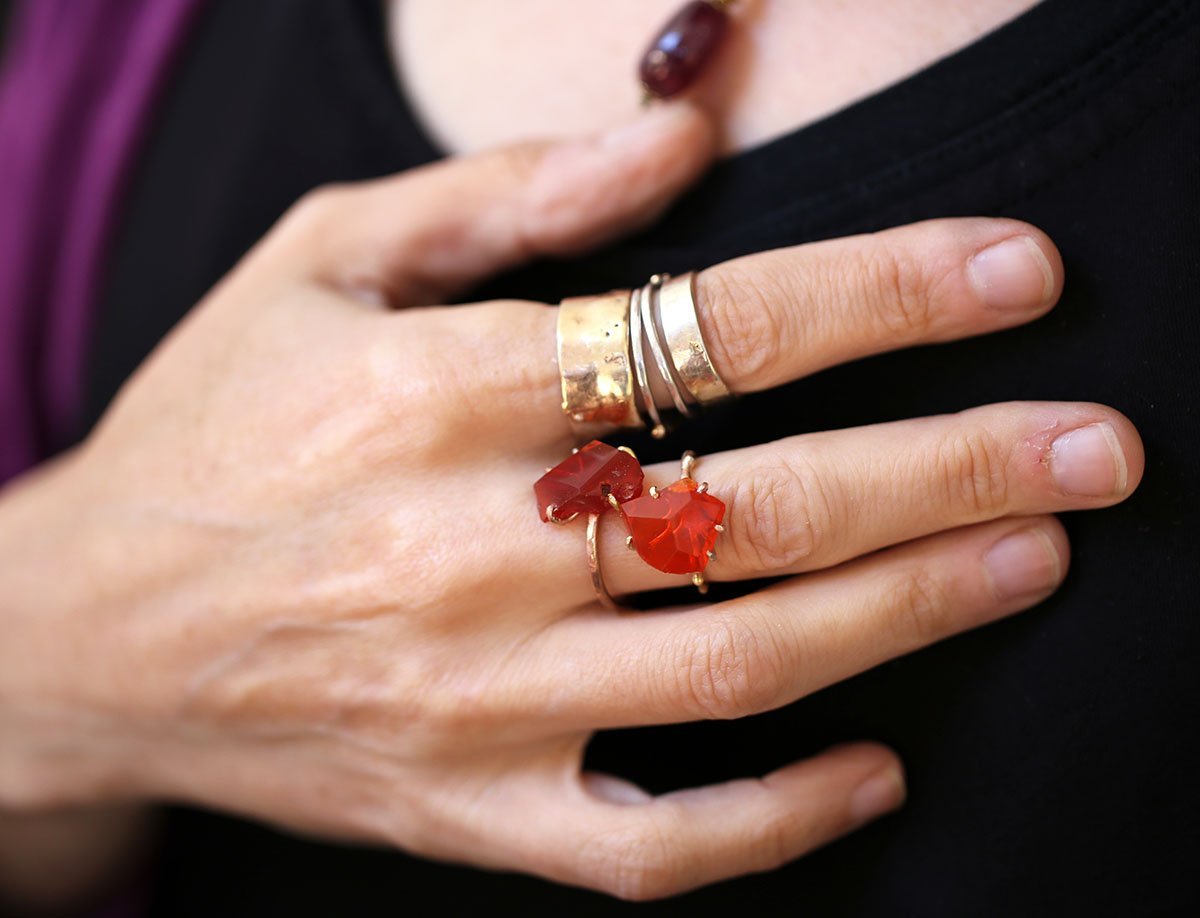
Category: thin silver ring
<point>658,429</point>
<point>647,303</point>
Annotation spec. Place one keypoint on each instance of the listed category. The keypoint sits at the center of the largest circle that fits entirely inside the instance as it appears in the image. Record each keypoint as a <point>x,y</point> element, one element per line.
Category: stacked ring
<point>650,303</point>
<point>602,345</point>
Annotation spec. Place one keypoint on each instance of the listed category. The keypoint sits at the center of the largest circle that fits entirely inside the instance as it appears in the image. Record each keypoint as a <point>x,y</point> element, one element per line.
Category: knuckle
<point>319,207</point>
<point>745,332</point>
<point>550,211</point>
<point>312,223</point>
<point>553,219</point>
<point>458,706</point>
<point>783,511</point>
<point>972,473</point>
<point>897,289</point>
<point>773,840</point>
<point>491,337</point>
<point>729,669</point>
<point>397,388</point>
<point>922,607</point>
<point>431,402</point>
<point>636,863</point>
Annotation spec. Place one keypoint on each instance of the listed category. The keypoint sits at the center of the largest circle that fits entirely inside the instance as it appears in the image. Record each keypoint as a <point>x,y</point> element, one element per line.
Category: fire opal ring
<point>673,529</point>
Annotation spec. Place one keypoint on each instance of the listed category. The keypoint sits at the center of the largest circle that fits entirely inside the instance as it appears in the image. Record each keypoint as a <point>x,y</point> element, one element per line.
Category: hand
<point>298,573</point>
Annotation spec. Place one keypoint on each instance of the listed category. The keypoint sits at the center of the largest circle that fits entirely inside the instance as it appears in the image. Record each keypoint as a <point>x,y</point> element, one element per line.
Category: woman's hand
<point>298,573</point>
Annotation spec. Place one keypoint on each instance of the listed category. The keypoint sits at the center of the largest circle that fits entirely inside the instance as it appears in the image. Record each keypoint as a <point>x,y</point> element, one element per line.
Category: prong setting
<point>686,464</point>
<point>552,509</point>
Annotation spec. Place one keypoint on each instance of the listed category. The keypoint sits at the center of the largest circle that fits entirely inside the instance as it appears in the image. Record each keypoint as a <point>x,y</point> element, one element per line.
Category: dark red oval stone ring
<point>674,529</point>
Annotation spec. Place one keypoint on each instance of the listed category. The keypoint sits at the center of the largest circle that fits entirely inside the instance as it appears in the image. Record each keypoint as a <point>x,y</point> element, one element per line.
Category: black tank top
<point>1052,757</point>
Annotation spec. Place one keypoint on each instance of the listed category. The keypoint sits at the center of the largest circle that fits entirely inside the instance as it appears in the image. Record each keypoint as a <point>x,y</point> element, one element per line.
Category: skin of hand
<point>297,572</point>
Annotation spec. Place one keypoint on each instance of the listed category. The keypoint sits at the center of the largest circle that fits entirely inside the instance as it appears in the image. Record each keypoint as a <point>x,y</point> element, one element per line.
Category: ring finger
<point>771,647</point>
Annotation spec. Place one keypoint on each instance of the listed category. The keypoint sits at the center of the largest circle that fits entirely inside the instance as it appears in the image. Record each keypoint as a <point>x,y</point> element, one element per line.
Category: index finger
<point>777,316</point>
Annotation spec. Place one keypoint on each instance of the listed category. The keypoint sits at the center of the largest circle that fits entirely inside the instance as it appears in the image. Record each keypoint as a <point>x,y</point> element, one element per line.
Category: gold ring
<point>593,562</point>
<point>595,362</point>
<point>674,529</point>
<point>681,329</point>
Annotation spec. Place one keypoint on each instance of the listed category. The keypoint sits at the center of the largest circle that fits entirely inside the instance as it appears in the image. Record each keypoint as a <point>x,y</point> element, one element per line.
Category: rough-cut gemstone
<point>582,482</point>
<point>675,531</point>
<point>682,48</point>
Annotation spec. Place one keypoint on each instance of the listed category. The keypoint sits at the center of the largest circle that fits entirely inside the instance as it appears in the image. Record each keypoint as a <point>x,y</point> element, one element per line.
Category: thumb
<point>419,237</point>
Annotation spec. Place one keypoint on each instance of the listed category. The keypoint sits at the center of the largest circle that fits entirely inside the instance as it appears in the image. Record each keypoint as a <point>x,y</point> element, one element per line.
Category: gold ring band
<point>594,362</point>
<point>603,342</point>
<point>593,562</point>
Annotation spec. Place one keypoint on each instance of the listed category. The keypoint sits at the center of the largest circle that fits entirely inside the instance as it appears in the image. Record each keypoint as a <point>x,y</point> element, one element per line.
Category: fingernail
<point>1023,563</point>
<point>1013,274</point>
<point>1089,462</point>
<point>881,793</point>
<point>651,127</point>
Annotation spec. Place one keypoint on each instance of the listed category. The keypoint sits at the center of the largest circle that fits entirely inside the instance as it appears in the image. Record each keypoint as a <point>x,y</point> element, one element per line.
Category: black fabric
<point>5,12</point>
<point>1051,757</point>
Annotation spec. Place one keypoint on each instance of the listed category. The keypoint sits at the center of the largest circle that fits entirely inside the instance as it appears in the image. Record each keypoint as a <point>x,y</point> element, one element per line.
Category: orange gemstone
<point>675,531</point>
<point>582,482</point>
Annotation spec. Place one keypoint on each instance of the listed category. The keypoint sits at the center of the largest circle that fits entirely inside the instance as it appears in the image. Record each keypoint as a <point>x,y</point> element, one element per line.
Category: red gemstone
<point>582,481</point>
<point>682,48</point>
<point>675,531</point>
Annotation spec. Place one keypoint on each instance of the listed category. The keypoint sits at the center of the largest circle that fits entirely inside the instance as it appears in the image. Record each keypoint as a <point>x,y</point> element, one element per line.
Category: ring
<point>585,481</point>
<point>637,315</point>
<point>650,302</point>
<point>681,329</point>
<point>594,362</point>
<point>593,560</point>
<point>674,529</point>
<point>602,346</point>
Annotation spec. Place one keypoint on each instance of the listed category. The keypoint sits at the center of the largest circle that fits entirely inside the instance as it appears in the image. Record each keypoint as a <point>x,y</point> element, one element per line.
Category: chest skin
<point>481,73</point>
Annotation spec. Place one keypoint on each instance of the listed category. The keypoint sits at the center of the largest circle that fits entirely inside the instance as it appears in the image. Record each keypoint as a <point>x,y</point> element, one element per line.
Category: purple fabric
<point>79,82</point>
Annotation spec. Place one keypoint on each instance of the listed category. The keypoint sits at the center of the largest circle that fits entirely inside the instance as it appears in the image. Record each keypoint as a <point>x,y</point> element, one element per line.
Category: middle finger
<point>815,500</point>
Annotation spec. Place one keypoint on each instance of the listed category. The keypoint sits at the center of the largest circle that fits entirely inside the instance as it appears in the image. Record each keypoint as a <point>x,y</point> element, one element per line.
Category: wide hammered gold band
<point>681,329</point>
<point>595,362</point>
